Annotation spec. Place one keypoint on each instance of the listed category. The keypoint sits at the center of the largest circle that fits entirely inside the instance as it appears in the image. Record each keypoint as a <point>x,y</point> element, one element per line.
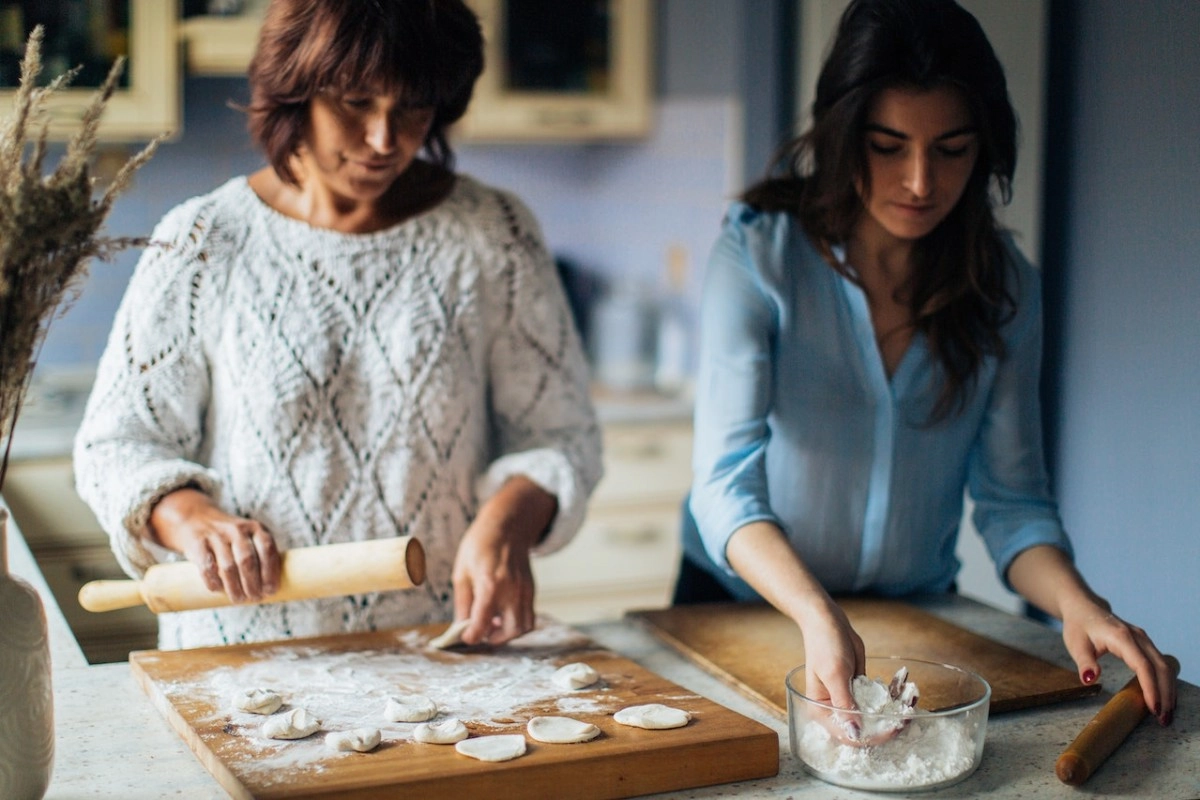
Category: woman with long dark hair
<point>871,347</point>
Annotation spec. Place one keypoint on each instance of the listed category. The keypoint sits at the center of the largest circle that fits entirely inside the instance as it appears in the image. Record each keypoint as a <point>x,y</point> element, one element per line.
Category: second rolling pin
<point>323,571</point>
<point>1111,726</point>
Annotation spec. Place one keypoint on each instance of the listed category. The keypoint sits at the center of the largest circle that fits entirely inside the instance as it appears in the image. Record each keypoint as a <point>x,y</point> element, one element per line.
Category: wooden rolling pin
<point>1100,737</point>
<point>307,572</point>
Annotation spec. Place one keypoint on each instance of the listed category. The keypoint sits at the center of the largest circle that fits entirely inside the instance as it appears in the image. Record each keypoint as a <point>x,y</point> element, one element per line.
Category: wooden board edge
<point>713,669</point>
<point>222,774</point>
<point>613,778</point>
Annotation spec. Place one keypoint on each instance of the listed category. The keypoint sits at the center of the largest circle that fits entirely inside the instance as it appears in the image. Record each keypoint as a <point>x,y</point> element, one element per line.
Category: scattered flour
<point>349,690</point>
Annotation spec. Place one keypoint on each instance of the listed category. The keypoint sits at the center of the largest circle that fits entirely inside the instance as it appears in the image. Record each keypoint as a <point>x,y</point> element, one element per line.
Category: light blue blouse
<point>797,423</point>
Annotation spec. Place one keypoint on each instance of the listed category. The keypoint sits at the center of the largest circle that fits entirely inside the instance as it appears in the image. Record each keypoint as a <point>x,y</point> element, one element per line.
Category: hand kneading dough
<point>575,676</point>
<point>294,724</point>
<point>561,730</point>
<point>444,731</point>
<point>451,636</point>
<point>653,717</point>
<point>409,708</point>
<point>493,748</point>
<point>257,701</point>
<point>359,740</point>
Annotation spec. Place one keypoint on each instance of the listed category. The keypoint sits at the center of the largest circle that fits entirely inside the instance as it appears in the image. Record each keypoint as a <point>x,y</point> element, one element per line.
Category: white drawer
<point>41,495</point>
<point>644,462</point>
<point>616,548</point>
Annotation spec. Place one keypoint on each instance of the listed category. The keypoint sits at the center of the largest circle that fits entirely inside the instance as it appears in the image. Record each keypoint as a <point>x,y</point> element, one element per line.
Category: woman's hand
<point>493,579</point>
<point>1090,630</point>
<point>833,651</point>
<point>234,554</point>
<point>1048,579</point>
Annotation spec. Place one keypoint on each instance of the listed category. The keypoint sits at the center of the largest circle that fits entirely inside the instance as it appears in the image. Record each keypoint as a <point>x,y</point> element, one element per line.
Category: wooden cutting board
<point>753,647</point>
<point>344,680</point>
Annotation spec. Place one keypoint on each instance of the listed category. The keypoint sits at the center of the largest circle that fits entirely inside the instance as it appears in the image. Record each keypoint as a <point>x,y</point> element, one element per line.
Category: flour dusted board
<point>753,647</point>
<point>345,680</point>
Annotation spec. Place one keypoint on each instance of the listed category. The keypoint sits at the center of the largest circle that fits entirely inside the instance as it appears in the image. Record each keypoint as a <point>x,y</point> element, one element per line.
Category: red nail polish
<point>1089,676</point>
<point>1158,709</point>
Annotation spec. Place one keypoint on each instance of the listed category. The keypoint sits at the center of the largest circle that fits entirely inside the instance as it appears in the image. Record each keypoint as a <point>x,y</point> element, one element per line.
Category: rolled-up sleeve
<point>544,423</point>
<point>1007,479</point>
<point>143,426</point>
<point>738,320</point>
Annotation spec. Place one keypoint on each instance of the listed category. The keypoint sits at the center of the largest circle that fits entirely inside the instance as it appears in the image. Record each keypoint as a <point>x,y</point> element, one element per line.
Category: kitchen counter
<point>111,743</point>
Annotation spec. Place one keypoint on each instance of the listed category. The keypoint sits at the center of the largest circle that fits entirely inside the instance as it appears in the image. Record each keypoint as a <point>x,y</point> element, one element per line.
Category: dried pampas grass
<point>48,225</point>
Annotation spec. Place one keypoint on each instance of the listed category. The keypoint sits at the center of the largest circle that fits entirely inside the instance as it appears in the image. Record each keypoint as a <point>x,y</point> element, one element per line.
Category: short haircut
<point>428,51</point>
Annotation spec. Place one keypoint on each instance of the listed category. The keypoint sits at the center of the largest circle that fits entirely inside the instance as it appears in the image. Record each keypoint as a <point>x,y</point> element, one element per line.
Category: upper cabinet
<point>562,70</point>
<point>91,36</point>
<point>222,44</point>
<point>556,70</point>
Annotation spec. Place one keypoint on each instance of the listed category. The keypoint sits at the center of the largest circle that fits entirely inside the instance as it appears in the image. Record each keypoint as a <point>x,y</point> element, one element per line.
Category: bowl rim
<point>984,699</point>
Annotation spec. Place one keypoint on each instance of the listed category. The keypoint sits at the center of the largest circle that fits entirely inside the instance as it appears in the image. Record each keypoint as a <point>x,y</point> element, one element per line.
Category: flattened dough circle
<point>359,740</point>
<point>503,747</point>
<point>257,701</point>
<point>575,676</point>
<point>444,731</point>
<point>294,724</point>
<point>652,716</point>
<point>409,708</point>
<point>451,636</point>
<point>561,730</point>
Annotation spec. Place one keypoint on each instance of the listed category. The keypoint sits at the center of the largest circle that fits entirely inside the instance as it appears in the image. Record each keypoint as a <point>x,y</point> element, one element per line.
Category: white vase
<point>26,702</point>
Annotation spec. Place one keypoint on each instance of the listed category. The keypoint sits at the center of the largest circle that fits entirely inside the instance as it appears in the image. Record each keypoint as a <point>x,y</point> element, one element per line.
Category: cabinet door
<point>616,548</point>
<point>645,463</point>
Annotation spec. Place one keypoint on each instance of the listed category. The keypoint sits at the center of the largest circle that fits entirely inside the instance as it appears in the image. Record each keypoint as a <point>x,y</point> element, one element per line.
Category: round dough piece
<point>257,701</point>
<point>444,731</point>
<point>503,747</point>
<point>561,730</point>
<point>652,717</point>
<point>294,724</point>
<point>451,636</point>
<point>409,708</point>
<point>575,676</point>
<point>359,740</point>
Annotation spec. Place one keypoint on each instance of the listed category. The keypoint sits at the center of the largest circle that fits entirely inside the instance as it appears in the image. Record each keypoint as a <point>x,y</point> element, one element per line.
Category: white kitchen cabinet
<point>627,554</point>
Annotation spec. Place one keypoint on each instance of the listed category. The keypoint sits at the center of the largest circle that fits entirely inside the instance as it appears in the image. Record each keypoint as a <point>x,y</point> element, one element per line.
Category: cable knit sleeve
<point>143,429</point>
<point>545,427</point>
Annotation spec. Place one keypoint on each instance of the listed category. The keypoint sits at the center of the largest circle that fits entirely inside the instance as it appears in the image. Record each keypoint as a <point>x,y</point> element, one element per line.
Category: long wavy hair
<point>959,296</point>
<point>429,51</point>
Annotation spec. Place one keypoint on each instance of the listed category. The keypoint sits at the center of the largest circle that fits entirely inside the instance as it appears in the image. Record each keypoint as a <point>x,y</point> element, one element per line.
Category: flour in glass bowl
<point>932,750</point>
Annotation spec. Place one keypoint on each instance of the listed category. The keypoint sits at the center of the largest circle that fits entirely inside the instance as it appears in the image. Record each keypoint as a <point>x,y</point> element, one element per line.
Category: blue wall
<point>1123,262</point>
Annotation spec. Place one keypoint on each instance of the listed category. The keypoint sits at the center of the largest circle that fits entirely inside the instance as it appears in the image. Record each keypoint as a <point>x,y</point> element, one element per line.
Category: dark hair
<point>430,51</point>
<point>959,297</point>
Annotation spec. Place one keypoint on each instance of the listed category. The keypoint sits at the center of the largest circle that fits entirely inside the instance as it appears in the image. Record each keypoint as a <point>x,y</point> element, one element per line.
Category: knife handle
<point>1100,737</point>
<point>110,595</point>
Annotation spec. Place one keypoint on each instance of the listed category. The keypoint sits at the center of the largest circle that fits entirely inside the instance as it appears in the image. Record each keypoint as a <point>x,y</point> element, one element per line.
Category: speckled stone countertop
<point>111,743</point>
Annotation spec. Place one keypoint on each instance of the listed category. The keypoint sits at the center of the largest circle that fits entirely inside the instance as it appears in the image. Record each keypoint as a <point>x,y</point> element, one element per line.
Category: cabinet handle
<point>639,536</point>
<point>645,450</point>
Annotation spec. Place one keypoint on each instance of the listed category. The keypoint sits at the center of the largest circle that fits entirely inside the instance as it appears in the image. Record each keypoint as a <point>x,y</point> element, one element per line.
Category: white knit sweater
<point>338,387</point>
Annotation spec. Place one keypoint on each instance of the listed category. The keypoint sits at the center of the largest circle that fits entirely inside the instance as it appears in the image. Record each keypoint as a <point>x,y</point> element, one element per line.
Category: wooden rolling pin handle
<point>307,572</point>
<point>1100,737</point>
<point>110,595</point>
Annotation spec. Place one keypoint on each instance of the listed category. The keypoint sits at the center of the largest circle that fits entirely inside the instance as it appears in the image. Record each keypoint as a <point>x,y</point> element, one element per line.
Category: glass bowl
<point>940,742</point>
